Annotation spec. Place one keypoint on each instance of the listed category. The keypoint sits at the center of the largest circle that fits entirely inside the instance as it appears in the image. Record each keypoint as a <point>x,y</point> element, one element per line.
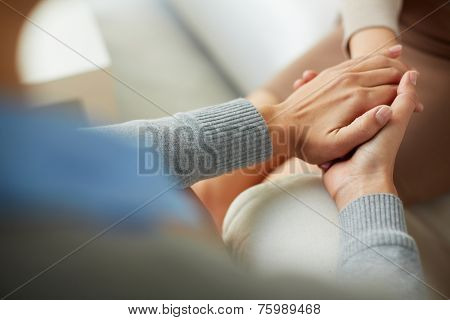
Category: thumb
<point>406,101</point>
<point>370,123</point>
<point>408,86</point>
<point>408,83</point>
<point>362,129</point>
<point>390,138</point>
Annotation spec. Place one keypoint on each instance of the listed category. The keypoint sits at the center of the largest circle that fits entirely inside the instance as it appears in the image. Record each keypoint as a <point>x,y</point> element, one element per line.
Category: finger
<point>408,83</point>
<point>297,84</point>
<point>308,75</point>
<point>379,77</point>
<point>325,166</point>
<point>407,100</point>
<point>368,98</point>
<point>410,87</point>
<point>382,94</point>
<point>393,52</point>
<point>378,62</point>
<point>420,107</point>
<point>402,109</point>
<point>361,129</point>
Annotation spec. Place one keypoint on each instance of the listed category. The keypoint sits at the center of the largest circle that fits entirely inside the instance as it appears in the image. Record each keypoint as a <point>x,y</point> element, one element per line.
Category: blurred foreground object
<point>60,57</point>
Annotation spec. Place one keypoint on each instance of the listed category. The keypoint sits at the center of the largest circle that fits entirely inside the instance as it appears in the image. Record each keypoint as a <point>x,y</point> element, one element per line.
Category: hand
<point>307,76</point>
<point>328,106</point>
<point>371,168</point>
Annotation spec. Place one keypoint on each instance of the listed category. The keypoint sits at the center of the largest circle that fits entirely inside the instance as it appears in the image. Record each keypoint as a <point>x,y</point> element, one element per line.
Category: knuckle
<point>389,91</point>
<point>385,94</point>
<point>359,96</point>
<point>363,126</point>
<point>383,59</point>
<point>395,73</point>
<point>402,66</point>
<point>347,78</point>
<point>380,60</point>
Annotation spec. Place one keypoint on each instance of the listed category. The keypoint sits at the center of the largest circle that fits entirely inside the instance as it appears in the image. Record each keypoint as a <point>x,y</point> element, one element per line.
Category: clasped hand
<point>332,113</point>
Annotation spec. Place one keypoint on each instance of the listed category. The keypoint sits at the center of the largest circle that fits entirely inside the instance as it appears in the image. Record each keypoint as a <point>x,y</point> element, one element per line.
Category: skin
<point>9,80</point>
<point>359,176</point>
<point>422,172</point>
<point>356,88</point>
<point>370,169</point>
<point>410,181</point>
<point>369,40</point>
<point>337,106</point>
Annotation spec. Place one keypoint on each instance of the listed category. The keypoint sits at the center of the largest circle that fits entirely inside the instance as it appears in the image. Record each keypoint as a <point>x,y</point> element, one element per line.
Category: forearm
<point>369,25</point>
<point>200,144</point>
<point>370,41</point>
<point>376,250</point>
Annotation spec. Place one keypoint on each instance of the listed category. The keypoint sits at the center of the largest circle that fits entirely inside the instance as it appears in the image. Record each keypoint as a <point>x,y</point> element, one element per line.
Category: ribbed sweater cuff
<point>236,132</point>
<point>372,221</point>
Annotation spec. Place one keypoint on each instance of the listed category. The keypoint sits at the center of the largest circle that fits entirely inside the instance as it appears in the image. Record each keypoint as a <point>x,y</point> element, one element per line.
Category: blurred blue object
<point>46,162</point>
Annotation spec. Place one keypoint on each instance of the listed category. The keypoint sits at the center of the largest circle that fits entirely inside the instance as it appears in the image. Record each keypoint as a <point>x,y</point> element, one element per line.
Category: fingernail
<point>383,115</point>
<point>420,107</point>
<point>395,49</point>
<point>325,166</point>
<point>413,77</point>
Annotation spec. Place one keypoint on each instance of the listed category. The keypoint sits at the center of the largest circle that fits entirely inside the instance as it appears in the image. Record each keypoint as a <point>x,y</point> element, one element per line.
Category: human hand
<point>371,168</point>
<point>328,106</point>
<point>307,76</point>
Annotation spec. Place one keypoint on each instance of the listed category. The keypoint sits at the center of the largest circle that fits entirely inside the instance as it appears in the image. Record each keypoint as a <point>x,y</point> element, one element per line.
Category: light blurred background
<point>181,54</point>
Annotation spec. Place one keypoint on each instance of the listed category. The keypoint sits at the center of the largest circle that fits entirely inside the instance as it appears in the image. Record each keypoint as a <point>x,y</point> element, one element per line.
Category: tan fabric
<point>430,34</point>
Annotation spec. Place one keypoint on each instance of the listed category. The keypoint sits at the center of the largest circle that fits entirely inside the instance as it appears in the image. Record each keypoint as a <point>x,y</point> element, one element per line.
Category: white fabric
<point>42,58</point>
<point>290,227</point>
<point>272,229</point>
<point>253,39</point>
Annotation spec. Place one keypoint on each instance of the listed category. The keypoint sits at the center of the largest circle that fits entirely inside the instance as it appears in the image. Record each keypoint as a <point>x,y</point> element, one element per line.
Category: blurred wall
<point>155,55</point>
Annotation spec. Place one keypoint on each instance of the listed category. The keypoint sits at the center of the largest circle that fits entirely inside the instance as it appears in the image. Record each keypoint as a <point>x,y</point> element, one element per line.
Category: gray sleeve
<point>200,144</point>
<point>376,249</point>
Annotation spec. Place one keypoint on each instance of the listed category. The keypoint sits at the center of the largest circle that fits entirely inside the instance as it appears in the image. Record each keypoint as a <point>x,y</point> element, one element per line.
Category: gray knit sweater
<point>375,245</point>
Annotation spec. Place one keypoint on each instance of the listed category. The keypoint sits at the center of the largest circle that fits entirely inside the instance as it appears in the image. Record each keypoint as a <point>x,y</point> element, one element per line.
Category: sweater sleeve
<point>376,249</point>
<point>358,15</point>
<point>201,144</point>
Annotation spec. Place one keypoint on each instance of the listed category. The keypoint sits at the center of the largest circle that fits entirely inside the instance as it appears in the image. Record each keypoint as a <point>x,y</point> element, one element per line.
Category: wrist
<point>358,187</point>
<point>371,40</point>
<point>278,128</point>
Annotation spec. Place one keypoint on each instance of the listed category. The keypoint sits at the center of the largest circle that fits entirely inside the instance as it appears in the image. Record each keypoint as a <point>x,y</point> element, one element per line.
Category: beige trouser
<point>291,227</point>
<point>423,163</point>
